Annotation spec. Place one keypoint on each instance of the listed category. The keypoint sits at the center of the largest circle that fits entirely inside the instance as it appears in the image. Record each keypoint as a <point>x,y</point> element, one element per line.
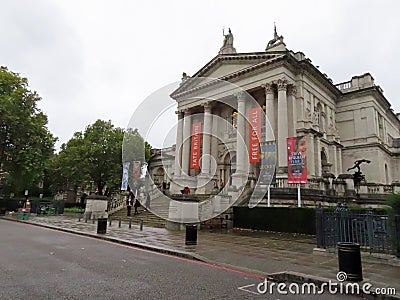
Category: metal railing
<point>373,231</point>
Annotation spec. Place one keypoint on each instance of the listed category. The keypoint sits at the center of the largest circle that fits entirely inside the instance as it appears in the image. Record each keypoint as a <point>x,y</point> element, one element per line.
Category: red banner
<point>255,134</point>
<point>136,170</point>
<point>196,143</point>
<point>297,159</point>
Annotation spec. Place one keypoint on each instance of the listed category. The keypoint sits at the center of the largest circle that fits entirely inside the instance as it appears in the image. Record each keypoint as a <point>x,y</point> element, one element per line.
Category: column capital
<point>282,84</point>
<point>207,106</point>
<point>268,88</point>
<point>179,113</point>
<point>292,90</point>
<point>240,96</point>
<point>186,111</point>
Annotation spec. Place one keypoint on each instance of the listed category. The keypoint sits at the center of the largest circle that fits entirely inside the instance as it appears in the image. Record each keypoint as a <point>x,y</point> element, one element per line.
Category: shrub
<point>393,200</point>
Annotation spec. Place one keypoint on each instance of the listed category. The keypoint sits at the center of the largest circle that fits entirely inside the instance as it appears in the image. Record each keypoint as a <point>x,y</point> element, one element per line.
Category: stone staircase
<point>147,217</point>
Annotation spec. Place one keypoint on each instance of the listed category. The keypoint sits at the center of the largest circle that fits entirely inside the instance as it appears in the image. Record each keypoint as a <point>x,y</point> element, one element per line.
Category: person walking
<point>129,203</point>
<point>137,205</point>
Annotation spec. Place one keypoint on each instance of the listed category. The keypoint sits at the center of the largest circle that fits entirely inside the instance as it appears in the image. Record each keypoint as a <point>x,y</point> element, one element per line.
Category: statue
<point>275,39</point>
<point>227,47</point>
<point>357,164</point>
<point>358,175</point>
<point>228,39</point>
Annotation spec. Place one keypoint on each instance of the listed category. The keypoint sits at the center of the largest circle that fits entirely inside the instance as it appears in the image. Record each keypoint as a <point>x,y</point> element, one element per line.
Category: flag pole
<point>298,195</point>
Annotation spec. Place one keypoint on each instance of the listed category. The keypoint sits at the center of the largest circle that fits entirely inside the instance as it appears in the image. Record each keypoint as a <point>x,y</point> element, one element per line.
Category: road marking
<point>243,288</point>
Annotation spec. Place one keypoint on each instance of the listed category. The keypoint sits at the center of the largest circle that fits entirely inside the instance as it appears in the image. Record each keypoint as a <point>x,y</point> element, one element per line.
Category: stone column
<point>214,142</point>
<point>340,166</point>
<point>282,123</point>
<point>293,106</point>
<point>310,155</point>
<point>207,128</point>
<point>241,134</point>
<point>240,176</point>
<point>270,112</point>
<point>318,169</point>
<point>334,161</point>
<point>179,138</point>
<point>186,143</point>
<point>204,182</point>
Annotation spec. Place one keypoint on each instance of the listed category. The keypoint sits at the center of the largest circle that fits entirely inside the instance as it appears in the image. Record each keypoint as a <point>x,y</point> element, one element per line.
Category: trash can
<point>102,225</point>
<point>191,235</point>
<point>349,255</point>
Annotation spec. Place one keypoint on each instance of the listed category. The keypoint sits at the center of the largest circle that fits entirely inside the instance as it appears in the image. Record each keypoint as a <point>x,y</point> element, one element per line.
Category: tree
<point>25,142</point>
<point>92,156</point>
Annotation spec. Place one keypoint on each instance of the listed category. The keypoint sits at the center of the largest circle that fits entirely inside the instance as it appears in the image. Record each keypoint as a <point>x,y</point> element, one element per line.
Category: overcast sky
<point>92,60</point>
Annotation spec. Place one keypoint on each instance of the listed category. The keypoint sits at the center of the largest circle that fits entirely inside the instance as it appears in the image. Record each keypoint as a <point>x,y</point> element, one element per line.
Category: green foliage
<point>135,148</point>
<point>91,156</point>
<point>393,200</point>
<point>74,210</point>
<point>25,142</point>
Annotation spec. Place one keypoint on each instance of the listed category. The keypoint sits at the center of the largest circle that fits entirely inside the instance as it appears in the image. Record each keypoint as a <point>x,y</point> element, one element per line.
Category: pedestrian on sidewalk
<point>137,205</point>
<point>129,202</point>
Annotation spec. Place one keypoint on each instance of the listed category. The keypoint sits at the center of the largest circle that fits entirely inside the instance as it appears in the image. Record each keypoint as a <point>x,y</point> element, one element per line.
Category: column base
<point>239,179</point>
<point>205,184</point>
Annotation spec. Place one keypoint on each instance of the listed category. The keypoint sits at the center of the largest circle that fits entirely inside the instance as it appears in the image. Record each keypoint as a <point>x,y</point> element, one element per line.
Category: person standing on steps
<point>129,202</point>
<point>137,205</point>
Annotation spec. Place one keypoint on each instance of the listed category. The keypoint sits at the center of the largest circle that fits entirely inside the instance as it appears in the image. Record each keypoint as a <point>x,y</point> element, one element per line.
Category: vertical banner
<point>136,170</point>
<point>125,175</point>
<point>255,134</point>
<point>196,143</point>
<point>297,167</point>
<point>268,161</point>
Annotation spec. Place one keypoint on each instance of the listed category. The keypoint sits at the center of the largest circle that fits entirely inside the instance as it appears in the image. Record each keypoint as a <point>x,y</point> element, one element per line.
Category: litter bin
<point>349,255</point>
<point>102,225</point>
<point>191,235</point>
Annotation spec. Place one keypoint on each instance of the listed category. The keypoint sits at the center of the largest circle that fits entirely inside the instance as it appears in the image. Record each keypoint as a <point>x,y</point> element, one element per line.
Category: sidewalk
<point>264,253</point>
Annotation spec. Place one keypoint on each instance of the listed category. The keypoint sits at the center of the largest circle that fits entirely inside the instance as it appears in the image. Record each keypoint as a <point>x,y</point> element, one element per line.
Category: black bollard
<point>119,223</point>
<point>101,225</point>
<point>130,223</point>
<point>109,224</point>
<point>191,235</point>
<point>141,225</point>
<point>349,256</point>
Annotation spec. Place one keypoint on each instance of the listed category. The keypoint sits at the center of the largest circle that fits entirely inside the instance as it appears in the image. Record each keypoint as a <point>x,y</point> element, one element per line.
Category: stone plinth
<point>96,207</point>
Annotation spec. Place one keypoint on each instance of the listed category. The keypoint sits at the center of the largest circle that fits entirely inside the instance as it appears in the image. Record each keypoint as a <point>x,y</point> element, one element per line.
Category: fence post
<point>320,227</point>
<point>370,231</point>
<point>397,234</point>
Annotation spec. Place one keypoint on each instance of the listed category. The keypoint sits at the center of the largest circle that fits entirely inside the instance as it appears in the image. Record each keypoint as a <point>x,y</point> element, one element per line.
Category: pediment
<point>223,66</point>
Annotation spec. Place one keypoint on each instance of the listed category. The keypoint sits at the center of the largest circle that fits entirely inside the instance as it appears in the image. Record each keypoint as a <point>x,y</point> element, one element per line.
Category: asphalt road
<point>39,263</point>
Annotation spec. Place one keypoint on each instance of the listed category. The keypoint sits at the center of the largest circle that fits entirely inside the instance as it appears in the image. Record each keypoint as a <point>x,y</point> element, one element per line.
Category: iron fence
<point>373,231</point>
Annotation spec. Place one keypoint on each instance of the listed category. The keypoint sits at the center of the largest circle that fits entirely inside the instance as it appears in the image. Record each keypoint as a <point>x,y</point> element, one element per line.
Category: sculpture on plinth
<point>227,46</point>
<point>358,175</point>
<point>277,38</point>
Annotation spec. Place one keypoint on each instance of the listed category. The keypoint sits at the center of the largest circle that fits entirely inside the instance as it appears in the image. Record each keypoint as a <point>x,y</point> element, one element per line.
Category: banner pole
<point>269,197</point>
<point>298,195</point>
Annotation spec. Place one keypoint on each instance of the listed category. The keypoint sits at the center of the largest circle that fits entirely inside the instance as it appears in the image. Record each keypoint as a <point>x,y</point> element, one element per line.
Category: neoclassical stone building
<point>342,122</point>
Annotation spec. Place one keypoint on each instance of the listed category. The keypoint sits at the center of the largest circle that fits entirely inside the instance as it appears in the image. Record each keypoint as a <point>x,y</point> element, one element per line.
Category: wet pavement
<point>279,255</point>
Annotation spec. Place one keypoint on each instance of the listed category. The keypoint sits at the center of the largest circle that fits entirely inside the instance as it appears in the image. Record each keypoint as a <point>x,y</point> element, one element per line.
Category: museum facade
<point>342,123</point>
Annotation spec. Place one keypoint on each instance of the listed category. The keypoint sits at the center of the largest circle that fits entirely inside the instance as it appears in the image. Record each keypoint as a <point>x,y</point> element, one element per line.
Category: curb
<point>171,252</point>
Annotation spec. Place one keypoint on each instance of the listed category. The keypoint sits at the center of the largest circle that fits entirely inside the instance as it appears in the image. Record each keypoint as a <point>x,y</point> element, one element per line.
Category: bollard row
<point>86,218</point>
